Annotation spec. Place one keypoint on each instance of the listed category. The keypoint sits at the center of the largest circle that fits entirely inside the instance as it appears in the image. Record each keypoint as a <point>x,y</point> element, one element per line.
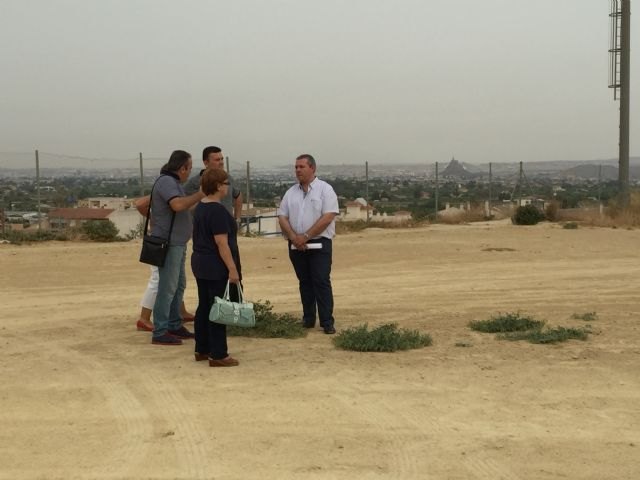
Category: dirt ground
<point>85,395</point>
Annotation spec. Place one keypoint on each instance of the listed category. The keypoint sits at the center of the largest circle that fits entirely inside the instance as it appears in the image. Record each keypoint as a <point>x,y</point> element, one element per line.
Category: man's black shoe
<point>182,333</point>
<point>329,330</point>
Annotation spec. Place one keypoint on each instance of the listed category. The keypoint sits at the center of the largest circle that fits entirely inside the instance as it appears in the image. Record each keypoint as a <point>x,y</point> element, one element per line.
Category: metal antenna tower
<point>522,178</point>
<point>619,80</point>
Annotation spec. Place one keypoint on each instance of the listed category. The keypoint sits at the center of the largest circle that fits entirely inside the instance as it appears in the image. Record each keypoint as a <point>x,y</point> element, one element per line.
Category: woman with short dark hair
<point>215,261</point>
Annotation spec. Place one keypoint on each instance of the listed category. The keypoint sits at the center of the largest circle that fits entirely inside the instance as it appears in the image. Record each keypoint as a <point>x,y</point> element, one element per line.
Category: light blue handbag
<point>225,311</point>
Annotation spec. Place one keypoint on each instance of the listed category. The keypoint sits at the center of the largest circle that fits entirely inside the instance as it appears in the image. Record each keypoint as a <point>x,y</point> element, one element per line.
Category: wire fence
<point>510,178</point>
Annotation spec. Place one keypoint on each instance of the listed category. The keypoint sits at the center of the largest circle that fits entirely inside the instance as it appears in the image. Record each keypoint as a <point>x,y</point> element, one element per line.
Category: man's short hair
<point>310,160</point>
<point>208,151</point>
<point>212,179</point>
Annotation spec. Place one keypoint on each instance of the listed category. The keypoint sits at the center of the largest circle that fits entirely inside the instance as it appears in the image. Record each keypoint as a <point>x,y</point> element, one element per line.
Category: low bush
<point>460,217</point>
<point>570,226</point>
<point>508,322</point>
<point>384,338</point>
<point>270,324</point>
<point>100,230</point>
<point>513,326</point>
<point>527,215</point>
<point>550,335</point>
<point>20,237</point>
<point>587,317</point>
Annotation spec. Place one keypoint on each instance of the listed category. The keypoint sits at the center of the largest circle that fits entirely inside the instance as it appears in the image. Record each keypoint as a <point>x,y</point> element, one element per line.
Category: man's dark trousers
<point>313,269</point>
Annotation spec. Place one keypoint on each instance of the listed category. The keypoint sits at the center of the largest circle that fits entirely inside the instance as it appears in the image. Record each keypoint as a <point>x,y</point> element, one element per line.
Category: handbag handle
<point>240,293</point>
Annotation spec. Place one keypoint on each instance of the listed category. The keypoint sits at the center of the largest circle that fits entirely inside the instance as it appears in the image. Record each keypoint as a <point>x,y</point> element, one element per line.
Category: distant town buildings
<point>114,203</point>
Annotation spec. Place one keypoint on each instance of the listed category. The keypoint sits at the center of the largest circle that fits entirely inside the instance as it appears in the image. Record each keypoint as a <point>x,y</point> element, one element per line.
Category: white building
<point>358,209</point>
<point>124,215</point>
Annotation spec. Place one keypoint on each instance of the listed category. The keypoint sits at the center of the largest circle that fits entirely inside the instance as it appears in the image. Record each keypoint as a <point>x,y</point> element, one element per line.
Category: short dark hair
<point>177,160</point>
<point>208,151</point>
<point>310,160</point>
<point>212,179</point>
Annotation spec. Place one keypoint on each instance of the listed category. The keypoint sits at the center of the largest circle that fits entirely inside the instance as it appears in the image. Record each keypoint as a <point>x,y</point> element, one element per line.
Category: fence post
<point>437,194</point>
<point>141,176</point>
<point>366,174</point>
<point>248,183</point>
<point>490,188</point>
<point>600,189</point>
<point>38,189</point>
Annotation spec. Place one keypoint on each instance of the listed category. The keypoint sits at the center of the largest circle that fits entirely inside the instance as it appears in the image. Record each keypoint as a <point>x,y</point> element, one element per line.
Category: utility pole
<point>141,177</point>
<point>619,80</point>
<point>227,160</point>
<point>38,189</point>
<point>625,76</point>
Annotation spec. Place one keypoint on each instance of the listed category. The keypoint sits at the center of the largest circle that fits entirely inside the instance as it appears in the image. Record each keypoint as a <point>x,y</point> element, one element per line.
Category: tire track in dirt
<point>476,463</point>
<point>189,437</point>
<point>403,463</point>
<point>129,412</point>
<point>135,419</point>
<point>407,460</point>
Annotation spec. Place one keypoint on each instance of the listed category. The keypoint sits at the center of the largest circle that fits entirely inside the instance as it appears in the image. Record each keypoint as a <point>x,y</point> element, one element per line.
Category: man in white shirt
<point>307,218</point>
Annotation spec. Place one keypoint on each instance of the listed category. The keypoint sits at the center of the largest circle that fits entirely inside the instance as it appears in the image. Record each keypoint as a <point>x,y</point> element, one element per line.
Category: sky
<point>349,81</point>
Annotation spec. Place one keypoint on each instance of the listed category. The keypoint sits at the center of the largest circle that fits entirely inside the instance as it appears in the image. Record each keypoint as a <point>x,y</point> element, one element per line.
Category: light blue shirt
<point>303,209</point>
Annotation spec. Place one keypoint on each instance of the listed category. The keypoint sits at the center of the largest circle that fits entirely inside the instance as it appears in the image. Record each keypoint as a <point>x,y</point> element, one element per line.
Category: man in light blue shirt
<point>307,218</point>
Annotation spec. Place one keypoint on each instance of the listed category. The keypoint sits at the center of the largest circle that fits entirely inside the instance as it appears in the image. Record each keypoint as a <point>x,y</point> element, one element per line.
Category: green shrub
<point>100,230</point>
<point>570,226</point>
<point>587,317</point>
<point>508,322</point>
<point>551,335</point>
<point>384,338</point>
<point>18,237</point>
<point>527,215</point>
<point>270,324</point>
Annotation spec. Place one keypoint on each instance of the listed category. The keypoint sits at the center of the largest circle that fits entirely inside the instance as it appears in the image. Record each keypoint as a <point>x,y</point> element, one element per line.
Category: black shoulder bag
<point>154,249</point>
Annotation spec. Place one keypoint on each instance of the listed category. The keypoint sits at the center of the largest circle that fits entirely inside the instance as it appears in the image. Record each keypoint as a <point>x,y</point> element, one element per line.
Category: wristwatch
<point>306,235</point>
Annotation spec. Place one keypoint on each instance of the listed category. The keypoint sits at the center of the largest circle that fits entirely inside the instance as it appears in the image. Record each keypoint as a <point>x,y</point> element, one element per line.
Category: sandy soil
<point>84,395</point>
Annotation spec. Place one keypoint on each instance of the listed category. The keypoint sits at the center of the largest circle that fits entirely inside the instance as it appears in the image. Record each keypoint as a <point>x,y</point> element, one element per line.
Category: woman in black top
<point>215,260</point>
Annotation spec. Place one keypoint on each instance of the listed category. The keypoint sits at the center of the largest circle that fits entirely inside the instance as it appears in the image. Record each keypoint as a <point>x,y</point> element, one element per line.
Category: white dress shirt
<point>303,209</point>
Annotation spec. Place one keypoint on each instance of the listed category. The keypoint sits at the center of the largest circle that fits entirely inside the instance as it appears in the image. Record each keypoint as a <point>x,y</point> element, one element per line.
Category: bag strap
<point>227,296</point>
<point>146,222</point>
<point>240,293</point>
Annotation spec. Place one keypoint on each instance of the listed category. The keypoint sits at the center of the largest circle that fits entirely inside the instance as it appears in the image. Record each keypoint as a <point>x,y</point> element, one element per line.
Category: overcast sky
<point>402,81</point>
